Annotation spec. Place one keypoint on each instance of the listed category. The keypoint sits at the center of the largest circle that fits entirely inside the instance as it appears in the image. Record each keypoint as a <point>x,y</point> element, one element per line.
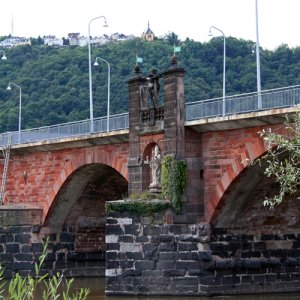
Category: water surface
<point>97,287</point>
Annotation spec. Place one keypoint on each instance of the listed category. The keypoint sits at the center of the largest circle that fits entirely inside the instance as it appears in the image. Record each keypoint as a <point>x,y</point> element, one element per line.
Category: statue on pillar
<point>153,87</point>
<point>155,166</point>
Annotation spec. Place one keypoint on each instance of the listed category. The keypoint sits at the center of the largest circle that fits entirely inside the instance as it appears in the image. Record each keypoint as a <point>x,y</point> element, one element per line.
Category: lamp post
<point>259,103</point>
<point>3,56</point>
<point>224,64</point>
<point>20,108</point>
<point>108,86</point>
<point>90,73</point>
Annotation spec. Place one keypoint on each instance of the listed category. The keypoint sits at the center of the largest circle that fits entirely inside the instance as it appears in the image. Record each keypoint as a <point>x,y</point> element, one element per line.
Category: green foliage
<point>138,206</point>
<point>174,179</point>
<point>283,159</point>
<point>55,287</point>
<point>172,38</point>
<point>145,195</point>
<point>55,81</point>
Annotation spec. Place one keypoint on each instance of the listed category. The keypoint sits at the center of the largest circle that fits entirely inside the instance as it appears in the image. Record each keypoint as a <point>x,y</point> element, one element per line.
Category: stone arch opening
<point>77,218</point>
<point>89,185</point>
<point>242,205</point>
<point>235,197</point>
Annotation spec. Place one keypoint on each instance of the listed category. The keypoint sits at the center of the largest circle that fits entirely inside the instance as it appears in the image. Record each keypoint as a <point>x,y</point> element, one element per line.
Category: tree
<point>172,38</point>
<point>59,75</point>
<point>283,159</point>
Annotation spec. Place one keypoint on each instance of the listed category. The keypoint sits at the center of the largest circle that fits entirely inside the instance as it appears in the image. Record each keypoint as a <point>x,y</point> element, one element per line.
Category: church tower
<point>148,34</point>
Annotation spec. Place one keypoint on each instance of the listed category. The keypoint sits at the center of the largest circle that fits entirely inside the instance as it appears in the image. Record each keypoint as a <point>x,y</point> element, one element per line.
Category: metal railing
<point>60,131</point>
<point>243,103</point>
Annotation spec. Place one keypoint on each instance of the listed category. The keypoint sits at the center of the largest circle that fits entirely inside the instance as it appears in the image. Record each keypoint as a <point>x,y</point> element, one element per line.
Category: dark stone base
<point>20,247</point>
<point>150,257</point>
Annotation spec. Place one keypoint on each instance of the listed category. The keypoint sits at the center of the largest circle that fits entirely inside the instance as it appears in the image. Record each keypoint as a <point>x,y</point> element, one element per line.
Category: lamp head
<point>210,33</point>
<point>105,24</point>
<point>4,57</point>
<point>8,87</point>
<point>96,63</point>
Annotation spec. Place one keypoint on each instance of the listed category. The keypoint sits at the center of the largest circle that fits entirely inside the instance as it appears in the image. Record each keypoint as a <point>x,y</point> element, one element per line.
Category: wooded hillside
<point>55,82</point>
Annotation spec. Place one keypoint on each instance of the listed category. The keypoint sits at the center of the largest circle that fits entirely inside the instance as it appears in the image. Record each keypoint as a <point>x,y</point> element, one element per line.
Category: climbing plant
<point>174,179</point>
<point>141,207</point>
<point>283,159</point>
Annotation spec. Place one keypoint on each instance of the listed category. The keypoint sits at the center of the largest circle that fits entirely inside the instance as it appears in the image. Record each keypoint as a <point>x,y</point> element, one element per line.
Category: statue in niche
<point>153,87</point>
<point>155,166</point>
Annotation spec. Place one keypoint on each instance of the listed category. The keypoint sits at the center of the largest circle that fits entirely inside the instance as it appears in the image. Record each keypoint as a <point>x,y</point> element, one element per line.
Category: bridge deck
<point>235,121</point>
<point>244,110</point>
<point>86,140</point>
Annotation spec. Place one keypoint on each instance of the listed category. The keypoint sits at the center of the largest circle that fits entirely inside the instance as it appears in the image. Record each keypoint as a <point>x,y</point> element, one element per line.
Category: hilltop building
<point>13,41</point>
<point>148,34</point>
<point>51,40</point>
<point>75,39</point>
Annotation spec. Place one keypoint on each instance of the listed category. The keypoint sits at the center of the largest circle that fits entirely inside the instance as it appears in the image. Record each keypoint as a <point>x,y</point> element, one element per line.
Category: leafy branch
<point>283,159</point>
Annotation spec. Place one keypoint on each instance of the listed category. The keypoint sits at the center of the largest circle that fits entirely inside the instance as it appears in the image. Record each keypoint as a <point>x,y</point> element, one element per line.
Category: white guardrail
<point>116,122</point>
<point>242,103</point>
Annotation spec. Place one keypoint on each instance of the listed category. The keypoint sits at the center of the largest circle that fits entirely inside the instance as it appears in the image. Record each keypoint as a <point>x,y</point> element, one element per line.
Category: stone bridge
<point>224,241</point>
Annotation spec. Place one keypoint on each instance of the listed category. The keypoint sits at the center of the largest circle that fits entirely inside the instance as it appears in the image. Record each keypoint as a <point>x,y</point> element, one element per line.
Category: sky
<point>278,20</point>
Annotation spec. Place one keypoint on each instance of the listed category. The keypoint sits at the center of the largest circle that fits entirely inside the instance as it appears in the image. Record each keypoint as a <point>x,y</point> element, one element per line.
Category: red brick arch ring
<point>251,152</point>
<point>110,158</point>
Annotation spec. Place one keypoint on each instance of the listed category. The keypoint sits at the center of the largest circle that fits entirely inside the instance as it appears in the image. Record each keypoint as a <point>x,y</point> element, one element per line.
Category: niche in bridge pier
<point>152,168</point>
<point>79,206</point>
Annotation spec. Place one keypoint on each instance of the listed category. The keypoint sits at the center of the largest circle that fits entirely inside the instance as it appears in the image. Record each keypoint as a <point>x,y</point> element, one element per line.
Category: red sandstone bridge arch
<point>80,202</point>
<point>115,156</point>
<point>229,169</point>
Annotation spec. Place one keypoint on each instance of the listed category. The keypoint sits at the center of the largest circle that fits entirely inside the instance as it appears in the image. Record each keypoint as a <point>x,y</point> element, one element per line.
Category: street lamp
<point>3,56</point>
<point>259,103</point>
<point>90,72</point>
<point>224,64</point>
<point>20,108</point>
<point>108,86</point>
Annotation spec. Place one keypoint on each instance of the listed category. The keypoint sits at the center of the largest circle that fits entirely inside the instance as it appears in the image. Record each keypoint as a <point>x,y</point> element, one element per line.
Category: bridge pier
<point>150,256</point>
<point>162,125</point>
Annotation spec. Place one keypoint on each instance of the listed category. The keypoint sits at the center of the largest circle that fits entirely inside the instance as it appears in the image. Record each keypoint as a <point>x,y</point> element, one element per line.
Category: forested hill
<point>55,81</point>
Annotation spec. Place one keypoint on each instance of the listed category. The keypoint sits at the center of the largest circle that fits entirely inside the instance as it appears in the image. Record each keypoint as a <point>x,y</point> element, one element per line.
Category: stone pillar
<point>136,99</point>
<point>169,125</point>
<point>174,114</point>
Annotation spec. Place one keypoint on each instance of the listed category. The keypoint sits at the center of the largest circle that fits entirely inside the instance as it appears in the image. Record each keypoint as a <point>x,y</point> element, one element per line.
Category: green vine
<point>174,179</point>
<point>141,207</point>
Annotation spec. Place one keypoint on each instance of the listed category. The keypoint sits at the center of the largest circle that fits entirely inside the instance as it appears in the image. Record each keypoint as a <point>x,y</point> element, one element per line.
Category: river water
<point>97,287</point>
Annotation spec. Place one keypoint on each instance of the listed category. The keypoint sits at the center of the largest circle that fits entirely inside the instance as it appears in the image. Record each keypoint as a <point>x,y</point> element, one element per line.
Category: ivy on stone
<point>141,207</point>
<point>174,179</point>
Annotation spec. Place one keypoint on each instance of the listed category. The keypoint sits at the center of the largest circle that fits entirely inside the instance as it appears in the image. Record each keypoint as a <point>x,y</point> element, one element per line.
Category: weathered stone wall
<point>20,247</point>
<point>147,256</point>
